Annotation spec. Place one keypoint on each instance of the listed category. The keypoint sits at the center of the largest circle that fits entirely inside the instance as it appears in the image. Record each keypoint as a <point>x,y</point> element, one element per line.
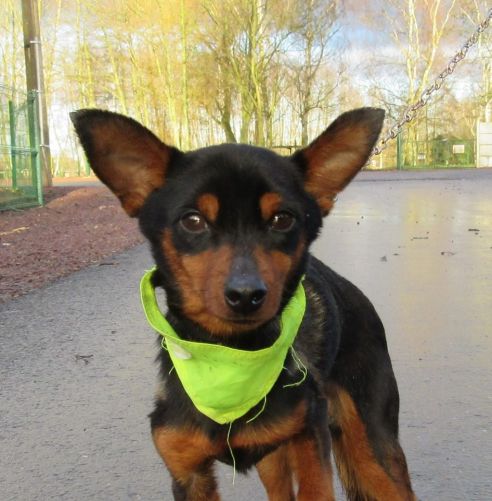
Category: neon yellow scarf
<point>225,383</point>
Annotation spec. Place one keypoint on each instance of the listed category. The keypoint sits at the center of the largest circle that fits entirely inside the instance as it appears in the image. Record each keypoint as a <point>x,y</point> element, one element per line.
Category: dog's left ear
<point>335,157</point>
<point>125,156</point>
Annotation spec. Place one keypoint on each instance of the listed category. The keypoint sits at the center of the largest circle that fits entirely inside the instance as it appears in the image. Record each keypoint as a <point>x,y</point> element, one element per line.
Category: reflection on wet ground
<point>423,253</point>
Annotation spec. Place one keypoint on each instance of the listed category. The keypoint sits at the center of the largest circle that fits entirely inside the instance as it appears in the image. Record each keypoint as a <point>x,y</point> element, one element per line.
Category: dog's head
<point>229,225</point>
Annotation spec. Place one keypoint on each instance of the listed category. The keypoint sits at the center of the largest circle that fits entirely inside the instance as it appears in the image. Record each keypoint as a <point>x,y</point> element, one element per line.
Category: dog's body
<point>230,228</point>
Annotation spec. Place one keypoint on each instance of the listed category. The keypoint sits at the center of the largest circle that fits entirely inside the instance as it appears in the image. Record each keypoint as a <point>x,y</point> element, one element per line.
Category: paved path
<point>75,428</point>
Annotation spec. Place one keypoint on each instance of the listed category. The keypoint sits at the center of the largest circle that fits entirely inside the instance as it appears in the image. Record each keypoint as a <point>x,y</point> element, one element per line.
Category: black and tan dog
<point>230,228</point>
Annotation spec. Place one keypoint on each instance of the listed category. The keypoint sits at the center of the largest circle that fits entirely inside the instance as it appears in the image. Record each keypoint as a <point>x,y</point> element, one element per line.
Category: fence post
<point>13,159</point>
<point>34,144</point>
<point>399,162</point>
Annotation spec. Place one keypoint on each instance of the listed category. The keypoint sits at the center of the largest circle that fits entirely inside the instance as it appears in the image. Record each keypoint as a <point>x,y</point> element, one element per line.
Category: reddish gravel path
<point>77,227</point>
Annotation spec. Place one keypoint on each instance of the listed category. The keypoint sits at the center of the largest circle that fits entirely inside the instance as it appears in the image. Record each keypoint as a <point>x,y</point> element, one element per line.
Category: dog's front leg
<point>309,457</point>
<point>188,455</point>
<point>275,473</point>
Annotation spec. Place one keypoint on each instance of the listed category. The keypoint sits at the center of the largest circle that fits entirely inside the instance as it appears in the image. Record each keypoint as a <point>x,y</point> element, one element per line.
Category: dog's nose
<point>245,294</point>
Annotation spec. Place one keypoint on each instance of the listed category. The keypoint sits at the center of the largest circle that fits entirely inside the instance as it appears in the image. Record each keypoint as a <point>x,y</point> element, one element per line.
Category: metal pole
<point>399,152</point>
<point>13,157</point>
<point>35,81</point>
<point>32,109</point>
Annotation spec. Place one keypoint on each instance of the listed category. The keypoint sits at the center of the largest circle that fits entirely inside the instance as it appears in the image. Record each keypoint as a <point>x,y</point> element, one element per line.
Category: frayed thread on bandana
<point>164,347</point>
<point>232,453</point>
<point>300,367</point>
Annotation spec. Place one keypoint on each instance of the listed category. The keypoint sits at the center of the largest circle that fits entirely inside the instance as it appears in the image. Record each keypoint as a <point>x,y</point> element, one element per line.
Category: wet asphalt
<point>77,371</point>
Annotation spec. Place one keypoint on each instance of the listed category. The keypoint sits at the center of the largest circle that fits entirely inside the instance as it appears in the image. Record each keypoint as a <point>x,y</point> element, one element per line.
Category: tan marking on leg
<point>314,473</point>
<point>276,475</point>
<point>360,472</point>
<point>188,454</point>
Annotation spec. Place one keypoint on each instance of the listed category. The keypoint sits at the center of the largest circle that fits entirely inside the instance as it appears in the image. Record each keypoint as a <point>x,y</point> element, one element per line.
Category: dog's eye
<point>194,222</point>
<point>282,221</point>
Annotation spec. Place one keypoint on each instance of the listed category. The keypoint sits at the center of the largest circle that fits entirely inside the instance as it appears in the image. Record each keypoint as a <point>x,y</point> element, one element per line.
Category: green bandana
<point>225,383</point>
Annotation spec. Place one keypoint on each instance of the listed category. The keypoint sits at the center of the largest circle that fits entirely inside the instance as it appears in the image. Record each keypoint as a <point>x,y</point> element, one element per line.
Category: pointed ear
<point>335,157</point>
<point>124,155</point>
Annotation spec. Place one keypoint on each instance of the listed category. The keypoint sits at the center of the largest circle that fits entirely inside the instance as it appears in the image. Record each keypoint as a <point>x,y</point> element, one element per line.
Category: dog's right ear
<point>126,156</point>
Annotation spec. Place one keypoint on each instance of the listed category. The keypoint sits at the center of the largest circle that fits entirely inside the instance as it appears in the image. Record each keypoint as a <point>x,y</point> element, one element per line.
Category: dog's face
<point>229,225</point>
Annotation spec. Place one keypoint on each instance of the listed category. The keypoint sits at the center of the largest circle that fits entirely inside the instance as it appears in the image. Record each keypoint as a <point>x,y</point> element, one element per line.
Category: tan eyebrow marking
<point>269,205</point>
<point>208,205</point>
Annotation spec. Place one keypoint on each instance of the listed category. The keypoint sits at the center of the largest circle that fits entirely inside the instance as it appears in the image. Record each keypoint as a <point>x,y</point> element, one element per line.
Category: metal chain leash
<point>426,95</point>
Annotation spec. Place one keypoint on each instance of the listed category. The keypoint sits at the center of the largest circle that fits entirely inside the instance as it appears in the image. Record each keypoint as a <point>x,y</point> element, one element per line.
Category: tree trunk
<point>186,140</point>
<point>225,119</point>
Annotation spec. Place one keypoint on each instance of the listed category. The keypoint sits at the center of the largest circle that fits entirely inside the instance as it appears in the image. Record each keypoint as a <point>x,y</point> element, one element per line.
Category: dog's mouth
<point>244,321</point>
<point>228,325</point>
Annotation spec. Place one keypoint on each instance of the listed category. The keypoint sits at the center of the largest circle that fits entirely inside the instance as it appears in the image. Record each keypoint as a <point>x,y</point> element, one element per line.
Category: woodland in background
<point>269,72</point>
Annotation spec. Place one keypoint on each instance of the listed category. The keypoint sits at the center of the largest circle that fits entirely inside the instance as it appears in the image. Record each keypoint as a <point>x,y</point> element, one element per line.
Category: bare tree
<point>247,54</point>
<point>419,30</point>
<point>313,29</point>
<point>473,12</point>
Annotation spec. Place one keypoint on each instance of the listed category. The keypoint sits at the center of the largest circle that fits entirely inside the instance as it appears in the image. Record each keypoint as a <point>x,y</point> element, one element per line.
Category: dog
<point>230,228</point>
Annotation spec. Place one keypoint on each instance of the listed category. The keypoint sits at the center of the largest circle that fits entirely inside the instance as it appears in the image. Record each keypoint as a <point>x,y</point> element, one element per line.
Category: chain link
<point>410,113</point>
